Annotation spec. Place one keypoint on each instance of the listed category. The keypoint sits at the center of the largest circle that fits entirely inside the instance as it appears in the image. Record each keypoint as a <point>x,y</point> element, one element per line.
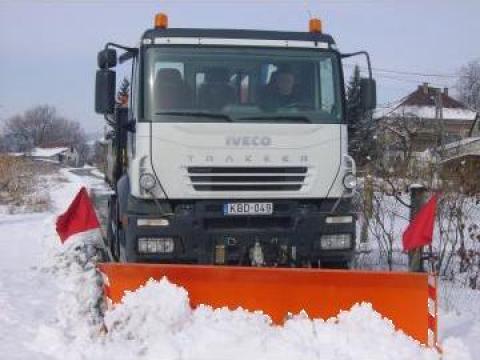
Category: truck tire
<point>112,229</point>
<point>122,257</point>
<point>342,265</point>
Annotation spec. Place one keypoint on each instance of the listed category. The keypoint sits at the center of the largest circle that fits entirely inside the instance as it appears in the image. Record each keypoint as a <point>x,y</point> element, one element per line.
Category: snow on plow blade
<point>401,297</point>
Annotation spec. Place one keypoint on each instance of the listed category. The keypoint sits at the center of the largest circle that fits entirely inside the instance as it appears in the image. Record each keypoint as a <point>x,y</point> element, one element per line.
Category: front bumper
<point>204,235</point>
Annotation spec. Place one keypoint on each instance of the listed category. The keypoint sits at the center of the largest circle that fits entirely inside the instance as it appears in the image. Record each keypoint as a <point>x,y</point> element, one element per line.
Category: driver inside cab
<point>279,91</point>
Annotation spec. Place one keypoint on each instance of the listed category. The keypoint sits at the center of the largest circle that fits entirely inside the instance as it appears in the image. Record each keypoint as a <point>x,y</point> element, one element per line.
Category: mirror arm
<point>118,46</point>
<point>369,64</point>
<point>130,51</point>
<point>127,56</point>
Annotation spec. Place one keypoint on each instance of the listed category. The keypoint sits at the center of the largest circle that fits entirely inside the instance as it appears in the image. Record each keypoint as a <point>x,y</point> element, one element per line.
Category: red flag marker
<point>79,217</point>
<point>420,230</point>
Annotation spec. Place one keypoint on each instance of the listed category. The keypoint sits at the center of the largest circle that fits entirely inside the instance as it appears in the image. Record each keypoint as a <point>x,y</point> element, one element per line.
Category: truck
<point>231,176</point>
<point>232,149</point>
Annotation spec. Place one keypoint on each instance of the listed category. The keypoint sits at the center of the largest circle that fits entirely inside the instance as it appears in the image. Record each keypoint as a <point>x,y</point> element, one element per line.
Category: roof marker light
<point>315,25</point>
<point>161,21</point>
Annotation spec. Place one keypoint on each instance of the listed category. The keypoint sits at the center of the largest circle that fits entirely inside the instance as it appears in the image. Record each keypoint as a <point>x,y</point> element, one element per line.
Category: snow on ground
<point>50,308</point>
<point>459,318</point>
<point>24,290</point>
<point>28,291</point>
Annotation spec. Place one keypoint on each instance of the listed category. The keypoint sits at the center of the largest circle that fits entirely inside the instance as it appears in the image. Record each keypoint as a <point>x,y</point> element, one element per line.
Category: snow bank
<point>79,305</point>
<point>157,320</point>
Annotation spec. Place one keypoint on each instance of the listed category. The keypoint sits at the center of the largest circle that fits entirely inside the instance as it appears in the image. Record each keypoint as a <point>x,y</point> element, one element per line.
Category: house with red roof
<point>428,126</point>
<point>426,119</point>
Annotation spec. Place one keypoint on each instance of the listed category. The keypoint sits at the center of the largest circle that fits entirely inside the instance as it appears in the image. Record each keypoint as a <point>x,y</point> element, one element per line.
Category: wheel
<point>341,264</point>
<point>112,229</point>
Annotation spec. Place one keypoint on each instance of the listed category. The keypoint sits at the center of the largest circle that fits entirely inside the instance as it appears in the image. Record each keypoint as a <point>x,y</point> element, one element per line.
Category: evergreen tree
<point>354,107</point>
<point>361,129</point>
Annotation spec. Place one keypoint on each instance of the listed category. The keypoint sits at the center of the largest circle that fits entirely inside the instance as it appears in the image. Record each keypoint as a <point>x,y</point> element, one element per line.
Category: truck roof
<point>152,34</point>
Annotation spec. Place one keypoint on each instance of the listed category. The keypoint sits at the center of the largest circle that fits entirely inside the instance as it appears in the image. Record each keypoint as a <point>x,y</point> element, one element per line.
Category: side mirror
<point>368,94</point>
<point>105,91</point>
<point>107,59</point>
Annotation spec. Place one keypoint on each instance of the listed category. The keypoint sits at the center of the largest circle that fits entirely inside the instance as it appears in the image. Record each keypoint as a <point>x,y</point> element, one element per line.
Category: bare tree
<point>3,143</point>
<point>468,84</point>
<point>404,134</point>
<point>42,126</point>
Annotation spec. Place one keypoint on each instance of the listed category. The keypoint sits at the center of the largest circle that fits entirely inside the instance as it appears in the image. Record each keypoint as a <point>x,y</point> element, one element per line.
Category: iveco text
<point>248,141</point>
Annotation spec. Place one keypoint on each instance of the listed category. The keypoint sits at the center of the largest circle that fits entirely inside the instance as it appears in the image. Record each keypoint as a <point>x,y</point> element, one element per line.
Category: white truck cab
<point>233,149</point>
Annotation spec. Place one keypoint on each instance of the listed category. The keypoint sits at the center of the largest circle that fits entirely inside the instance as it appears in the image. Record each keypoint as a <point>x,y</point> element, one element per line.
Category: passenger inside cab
<point>216,92</point>
<point>171,90</point>
<point>280,90</point>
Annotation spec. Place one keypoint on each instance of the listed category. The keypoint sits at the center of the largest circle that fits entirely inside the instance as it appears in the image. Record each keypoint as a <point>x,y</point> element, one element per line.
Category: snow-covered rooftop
<point>47,152</point>
<point>462,142</point>
<point>425,112</point>
<point>422,103</point>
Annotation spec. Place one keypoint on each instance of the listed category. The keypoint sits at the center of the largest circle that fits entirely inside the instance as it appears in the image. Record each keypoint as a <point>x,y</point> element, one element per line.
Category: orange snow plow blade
<point>401,297</point>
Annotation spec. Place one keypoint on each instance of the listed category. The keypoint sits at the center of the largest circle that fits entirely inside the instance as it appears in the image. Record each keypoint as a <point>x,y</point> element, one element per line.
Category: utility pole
<point>418,197</point>
<point>439,117</point>
<point>439,154</point>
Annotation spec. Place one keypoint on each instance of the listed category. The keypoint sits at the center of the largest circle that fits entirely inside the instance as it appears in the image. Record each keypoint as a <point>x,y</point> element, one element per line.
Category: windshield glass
<point>250,85</point>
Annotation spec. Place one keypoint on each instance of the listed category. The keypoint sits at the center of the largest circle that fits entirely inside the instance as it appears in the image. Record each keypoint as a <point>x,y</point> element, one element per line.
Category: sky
<point>48,48</point>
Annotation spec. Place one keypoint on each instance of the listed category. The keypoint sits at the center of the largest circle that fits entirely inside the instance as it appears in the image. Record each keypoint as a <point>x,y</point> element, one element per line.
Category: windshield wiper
<point>292,118</point>
<point>196,114</point>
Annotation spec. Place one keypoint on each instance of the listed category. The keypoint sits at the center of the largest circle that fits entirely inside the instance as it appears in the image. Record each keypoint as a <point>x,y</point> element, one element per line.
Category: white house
<point>63,155</point>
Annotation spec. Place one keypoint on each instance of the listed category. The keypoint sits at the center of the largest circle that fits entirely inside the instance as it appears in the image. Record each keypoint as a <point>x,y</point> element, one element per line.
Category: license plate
<point>248,208</point>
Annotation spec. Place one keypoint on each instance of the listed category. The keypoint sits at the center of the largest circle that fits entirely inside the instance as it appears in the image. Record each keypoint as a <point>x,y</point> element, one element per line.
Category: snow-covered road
<point>27,295</point>
<point>46,307</point>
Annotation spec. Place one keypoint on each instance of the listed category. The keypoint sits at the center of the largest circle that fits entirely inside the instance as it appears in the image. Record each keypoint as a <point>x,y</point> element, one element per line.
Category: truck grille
<point>251,223</point>
<point>247,178</point>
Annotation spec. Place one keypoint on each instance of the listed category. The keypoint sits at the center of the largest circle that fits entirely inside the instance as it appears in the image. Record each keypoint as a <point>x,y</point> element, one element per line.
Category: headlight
<point>153,222</point>
<point>147,182</point>
<point>339,219</point>
<point>336,241</point>
<point>350,181</point>
<point>156,245</point>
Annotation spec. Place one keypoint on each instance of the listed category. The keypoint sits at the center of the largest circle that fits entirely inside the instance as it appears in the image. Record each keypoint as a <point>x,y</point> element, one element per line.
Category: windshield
<point>249,85</point>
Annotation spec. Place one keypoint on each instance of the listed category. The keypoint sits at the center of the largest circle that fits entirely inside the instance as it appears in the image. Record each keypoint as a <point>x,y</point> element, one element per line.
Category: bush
<point>19,180</point>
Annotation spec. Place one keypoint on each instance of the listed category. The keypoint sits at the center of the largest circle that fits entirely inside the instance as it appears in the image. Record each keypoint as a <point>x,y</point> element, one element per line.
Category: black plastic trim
<point>246,170</point>
<point>236,179</point>
<point>238,34</point>
<point>256,187</point>
<point>199,225</point>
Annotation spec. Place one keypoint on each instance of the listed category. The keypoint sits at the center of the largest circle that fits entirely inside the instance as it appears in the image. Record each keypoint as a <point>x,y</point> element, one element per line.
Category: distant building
<point>428,127</point>
<point>426,119</point>
<point>64,155</point>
